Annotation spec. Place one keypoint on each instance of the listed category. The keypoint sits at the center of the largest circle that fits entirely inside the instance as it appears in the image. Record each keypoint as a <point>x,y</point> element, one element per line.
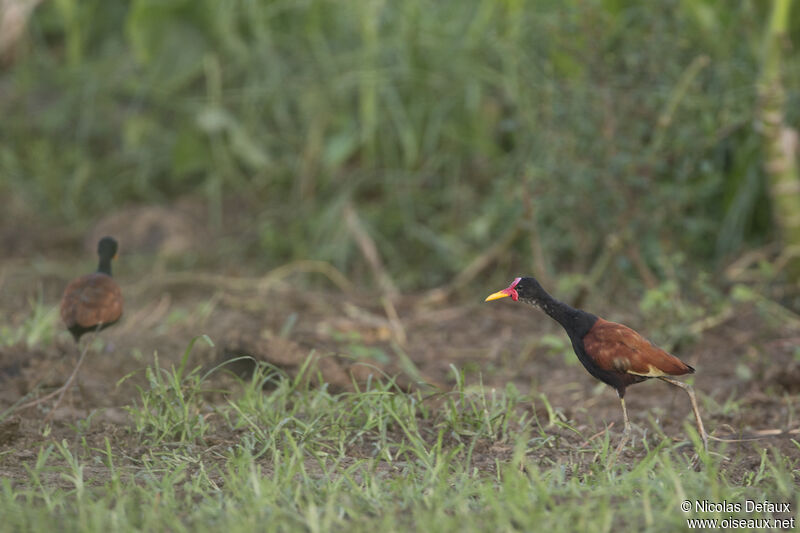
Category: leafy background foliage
<point>447,124</point>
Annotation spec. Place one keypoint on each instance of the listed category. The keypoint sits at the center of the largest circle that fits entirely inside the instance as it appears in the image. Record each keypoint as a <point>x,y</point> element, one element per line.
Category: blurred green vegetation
<point>569,127</point>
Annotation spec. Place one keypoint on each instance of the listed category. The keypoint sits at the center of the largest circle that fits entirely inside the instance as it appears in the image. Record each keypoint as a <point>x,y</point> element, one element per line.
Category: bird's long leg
<point>690,391</point>
<point>65,387</point>
<point>62,388</point>
<point>627,431</point>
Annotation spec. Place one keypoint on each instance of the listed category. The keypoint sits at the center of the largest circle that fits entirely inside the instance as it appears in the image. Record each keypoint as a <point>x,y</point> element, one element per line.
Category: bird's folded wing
<point>91,300</point>
<point>618,348</point>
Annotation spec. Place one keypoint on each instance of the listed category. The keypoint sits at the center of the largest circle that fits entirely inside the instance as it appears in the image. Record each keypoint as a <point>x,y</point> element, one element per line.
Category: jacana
<point>90,303</point>
<point>613,353</point>
<point>93,302</point>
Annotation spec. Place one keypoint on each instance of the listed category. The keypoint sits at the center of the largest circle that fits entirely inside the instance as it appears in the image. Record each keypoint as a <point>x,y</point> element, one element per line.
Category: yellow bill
<point>497,295</point>
<point>508,291</point>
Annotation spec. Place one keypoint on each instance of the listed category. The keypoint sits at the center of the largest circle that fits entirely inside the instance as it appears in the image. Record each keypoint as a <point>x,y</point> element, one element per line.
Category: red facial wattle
<point>509,291</point>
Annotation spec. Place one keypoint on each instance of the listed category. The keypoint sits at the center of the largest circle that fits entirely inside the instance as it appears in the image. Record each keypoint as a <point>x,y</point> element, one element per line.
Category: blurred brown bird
<point>93,302</point>
<point>613,353</point>
<point>90,303</point>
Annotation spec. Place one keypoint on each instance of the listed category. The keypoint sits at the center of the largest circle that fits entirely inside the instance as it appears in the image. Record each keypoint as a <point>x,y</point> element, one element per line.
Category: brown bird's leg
<point>627,431</point>
<point>690,391</point>
<point>65,387</point>
<point>59,391</point>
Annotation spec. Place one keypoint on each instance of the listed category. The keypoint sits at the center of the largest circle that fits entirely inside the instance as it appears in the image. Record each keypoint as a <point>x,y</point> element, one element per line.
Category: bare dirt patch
<point>747,371</point>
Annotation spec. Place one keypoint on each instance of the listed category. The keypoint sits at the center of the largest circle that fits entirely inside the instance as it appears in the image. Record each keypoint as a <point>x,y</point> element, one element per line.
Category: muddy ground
<point>748,372</point>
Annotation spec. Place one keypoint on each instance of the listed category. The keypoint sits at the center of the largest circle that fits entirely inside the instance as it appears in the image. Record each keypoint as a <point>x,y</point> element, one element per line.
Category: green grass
<point>38,327</point>
<point>293,458</point>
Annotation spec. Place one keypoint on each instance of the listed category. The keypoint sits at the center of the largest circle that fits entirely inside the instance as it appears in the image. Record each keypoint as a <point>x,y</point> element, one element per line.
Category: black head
<point>107,248</point>
<point>526,289</point>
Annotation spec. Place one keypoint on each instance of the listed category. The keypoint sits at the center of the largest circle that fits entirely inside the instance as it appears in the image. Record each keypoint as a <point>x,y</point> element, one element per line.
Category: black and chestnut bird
<point>90,303</point>
<point>94,301</point>
<point>613,353</point>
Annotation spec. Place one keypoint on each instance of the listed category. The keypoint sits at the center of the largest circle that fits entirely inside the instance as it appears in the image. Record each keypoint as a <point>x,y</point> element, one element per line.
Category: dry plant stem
<point>679,91</point>
<point>439,315</point>
<point>395,324</point>
<point>474,268</point>
<point>712,321</point>
<point>537,250</point>
<point>598,434</point>
<point>247,284</point>
<point>484,260</point>
<point>148,316</point>
<point>645,273</point>
<point>738,269</point>
<point>306,266</point>
<point>364,316</point>
<point>14,15</point>
<point>613,244</point>
<point>760,434</point>
<point>370,252</point>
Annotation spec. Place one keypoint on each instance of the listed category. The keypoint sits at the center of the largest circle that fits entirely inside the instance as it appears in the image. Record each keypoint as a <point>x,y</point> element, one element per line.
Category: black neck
<point>576,322</point>
<point>104,266</point>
